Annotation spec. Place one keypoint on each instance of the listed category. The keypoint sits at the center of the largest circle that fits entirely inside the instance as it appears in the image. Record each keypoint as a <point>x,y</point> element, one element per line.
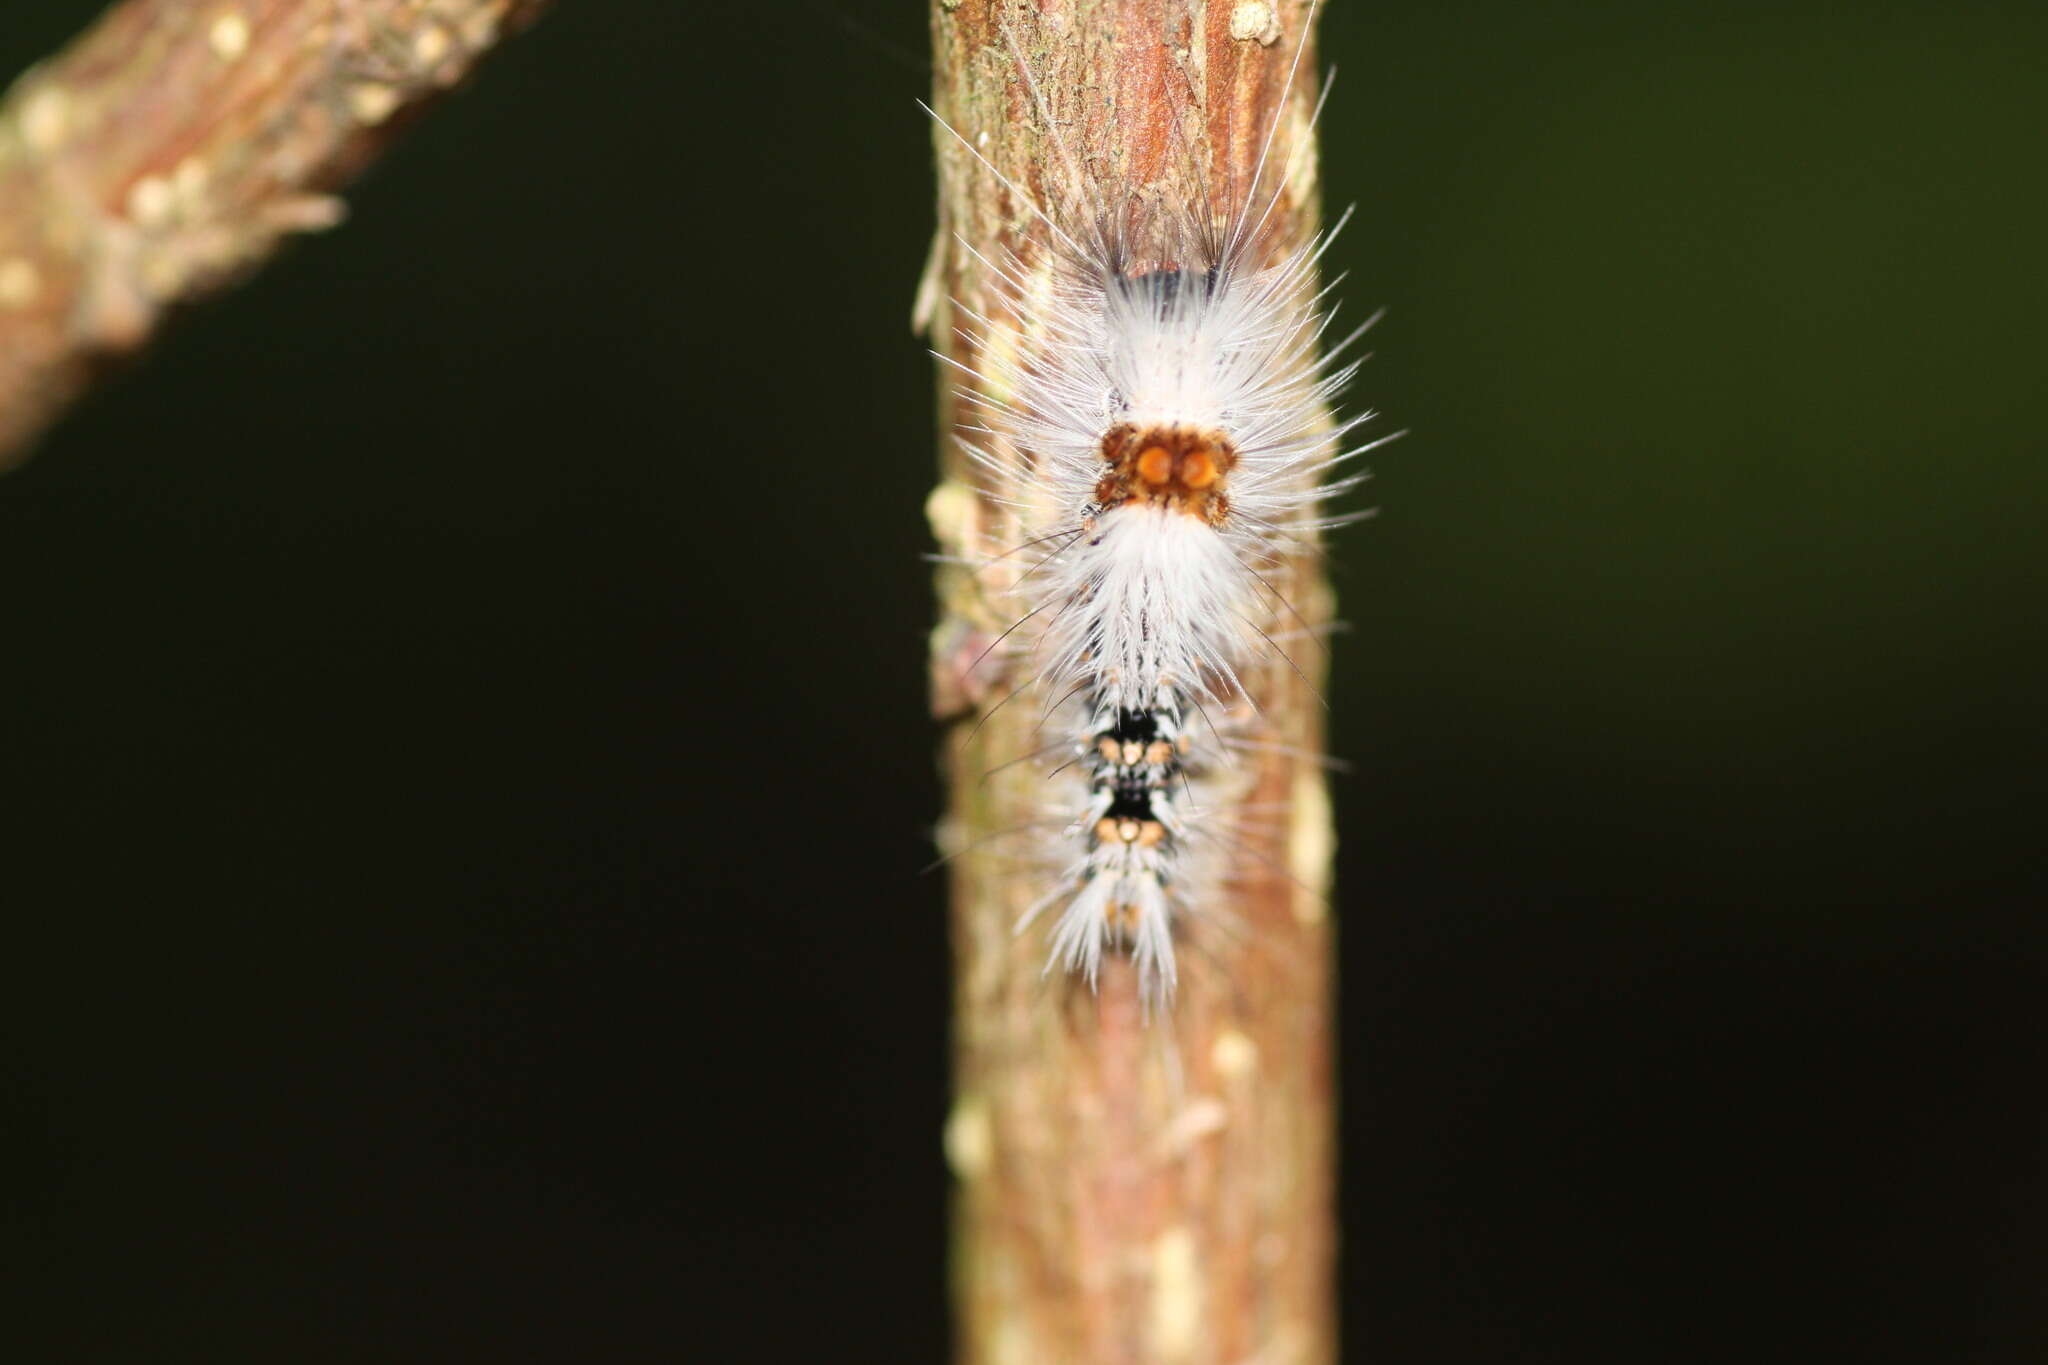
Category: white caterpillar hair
<point>1154,410</point>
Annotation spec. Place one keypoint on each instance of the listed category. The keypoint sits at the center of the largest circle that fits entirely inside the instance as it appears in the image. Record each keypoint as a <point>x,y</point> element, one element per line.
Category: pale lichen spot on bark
<point>967,1139</point>
<point>1176,1296</point>
<point>954,514</point>
<point>151,202</point>
<point>946,837</point>
<point>229,36</point>
<point>931,286</point>
<point>1008,1345</point>
<point>371,102</point>
<point>1255,20</point>
<point>1310,845</point>
<point>20,283</point>
<point>1233,1055</point>
<point>45,119</point>
<point>429,46</point>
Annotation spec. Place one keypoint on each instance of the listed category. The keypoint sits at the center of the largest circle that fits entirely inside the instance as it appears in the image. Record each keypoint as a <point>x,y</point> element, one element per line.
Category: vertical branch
<point>171,147</point>
<point>1129,1190</point>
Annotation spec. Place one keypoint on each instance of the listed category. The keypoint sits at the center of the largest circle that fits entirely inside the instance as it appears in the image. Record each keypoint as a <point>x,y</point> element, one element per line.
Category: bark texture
<point>1128,1190</point>
<point>172,145</point>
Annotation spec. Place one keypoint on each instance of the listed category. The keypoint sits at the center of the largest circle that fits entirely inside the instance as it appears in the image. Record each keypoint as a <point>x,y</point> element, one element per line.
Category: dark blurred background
<point>452,914</point>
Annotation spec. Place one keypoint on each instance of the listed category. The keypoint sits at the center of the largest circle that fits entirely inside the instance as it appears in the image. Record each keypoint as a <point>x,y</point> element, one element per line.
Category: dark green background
<point>466,774</point>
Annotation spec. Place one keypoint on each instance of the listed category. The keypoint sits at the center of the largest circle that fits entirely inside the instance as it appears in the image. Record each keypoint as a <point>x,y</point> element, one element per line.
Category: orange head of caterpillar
<point>1178,467</point>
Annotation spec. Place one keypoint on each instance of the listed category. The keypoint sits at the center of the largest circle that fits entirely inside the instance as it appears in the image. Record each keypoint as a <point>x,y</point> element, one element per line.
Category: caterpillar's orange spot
<point>1184,468</point>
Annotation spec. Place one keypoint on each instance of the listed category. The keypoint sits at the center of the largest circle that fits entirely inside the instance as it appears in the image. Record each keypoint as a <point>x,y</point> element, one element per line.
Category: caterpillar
<point>1151,400</point>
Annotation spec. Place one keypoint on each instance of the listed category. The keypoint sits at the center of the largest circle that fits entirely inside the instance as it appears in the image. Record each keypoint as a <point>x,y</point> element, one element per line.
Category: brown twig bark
<point>170,148</point>
<point>1129,1190</point>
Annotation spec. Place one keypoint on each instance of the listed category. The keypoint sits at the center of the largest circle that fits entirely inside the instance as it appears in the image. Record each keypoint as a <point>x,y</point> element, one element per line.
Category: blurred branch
<point>1130,1193</point>
<point>172,145</point>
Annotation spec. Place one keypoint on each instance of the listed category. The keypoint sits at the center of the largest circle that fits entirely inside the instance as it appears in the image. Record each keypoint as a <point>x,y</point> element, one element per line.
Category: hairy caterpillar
<point>1151,399</point>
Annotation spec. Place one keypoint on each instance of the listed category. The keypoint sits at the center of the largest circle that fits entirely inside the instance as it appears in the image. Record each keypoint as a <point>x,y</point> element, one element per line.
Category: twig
<point>170,148</point>
<point>1129,1192</point>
